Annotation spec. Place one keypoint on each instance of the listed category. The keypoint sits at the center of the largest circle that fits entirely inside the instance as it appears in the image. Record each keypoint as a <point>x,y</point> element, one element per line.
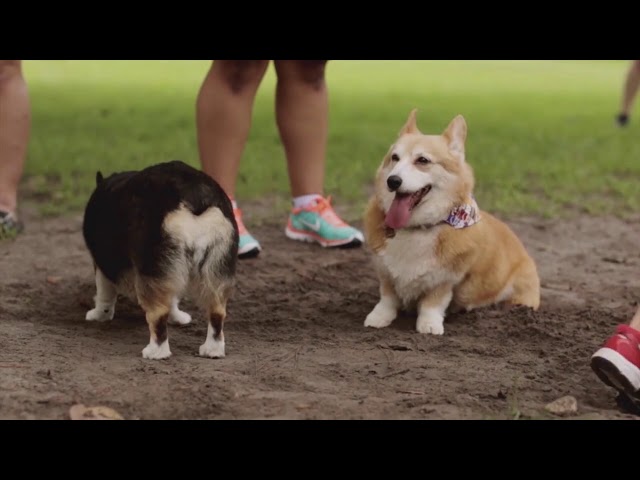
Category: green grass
<point>541,134</point>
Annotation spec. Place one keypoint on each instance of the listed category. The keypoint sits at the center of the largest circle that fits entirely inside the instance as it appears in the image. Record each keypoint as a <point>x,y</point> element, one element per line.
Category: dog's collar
<point>462,216</point>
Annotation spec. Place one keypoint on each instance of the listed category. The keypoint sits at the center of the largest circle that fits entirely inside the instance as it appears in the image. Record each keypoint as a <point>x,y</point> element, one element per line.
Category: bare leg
<point>631,85</point>
<point>15,124</point>
<point>105,299</point>
<point>302,113</point>
<point>224,108</point>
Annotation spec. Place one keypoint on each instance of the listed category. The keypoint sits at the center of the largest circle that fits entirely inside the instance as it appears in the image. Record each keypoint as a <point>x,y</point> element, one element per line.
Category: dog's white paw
<point>212,348</point>
<point>381,316</point>
<point>153,351</point>
<point>178,317</point>
<point>431,322</point>
<point>100,314</point>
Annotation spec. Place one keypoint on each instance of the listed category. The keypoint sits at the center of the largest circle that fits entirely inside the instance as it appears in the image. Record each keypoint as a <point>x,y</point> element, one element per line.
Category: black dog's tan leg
<point>213,347</point>
<point>158,347</point>
<point>156,303</point>
<point>105,299</point>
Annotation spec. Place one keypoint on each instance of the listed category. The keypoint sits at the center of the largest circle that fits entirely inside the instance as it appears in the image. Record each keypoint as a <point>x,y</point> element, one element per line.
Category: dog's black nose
<point>394,182</point>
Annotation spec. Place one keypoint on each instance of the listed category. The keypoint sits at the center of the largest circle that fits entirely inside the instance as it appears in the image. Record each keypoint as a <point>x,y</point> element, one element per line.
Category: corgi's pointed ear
<point>410,126</point>
<point>456,135</point>
<point>99,178</point>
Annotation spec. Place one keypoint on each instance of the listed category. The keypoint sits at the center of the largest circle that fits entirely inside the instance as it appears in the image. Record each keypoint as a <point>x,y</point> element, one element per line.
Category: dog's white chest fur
<point>411,262</point>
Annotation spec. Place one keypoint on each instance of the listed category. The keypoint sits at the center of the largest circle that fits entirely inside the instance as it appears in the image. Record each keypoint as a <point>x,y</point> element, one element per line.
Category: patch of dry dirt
<point>296,345</point>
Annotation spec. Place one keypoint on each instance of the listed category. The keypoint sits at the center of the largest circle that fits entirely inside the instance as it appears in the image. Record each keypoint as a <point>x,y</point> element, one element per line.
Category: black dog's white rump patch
<point>159,234</point>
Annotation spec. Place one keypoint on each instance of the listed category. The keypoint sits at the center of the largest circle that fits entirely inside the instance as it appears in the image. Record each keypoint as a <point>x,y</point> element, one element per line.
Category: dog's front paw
<point>430,322</point>
<point>212,348</point>
<point>100,314</point>
<point>178,317</point>
<point>153,351</point>
<point>381,316</point>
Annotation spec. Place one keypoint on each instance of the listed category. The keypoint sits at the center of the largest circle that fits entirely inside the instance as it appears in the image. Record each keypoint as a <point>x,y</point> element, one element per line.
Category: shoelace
<point>325,210</point>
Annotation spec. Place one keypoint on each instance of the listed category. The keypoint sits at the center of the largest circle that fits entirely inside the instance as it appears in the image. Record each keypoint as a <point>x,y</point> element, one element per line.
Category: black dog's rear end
<point>158,234</point>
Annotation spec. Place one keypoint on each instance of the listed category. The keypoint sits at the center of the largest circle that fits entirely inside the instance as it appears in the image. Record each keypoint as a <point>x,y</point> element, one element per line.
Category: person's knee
<point>9,69</point>
<point>310,72</point>
<point>241,75</point>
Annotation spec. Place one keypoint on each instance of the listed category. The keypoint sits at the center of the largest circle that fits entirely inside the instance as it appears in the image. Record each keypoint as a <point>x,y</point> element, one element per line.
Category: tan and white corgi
<point>434,250</point>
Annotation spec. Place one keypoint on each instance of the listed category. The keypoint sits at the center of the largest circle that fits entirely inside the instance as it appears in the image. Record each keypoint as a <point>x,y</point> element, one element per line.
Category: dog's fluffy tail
<point>205,251</point>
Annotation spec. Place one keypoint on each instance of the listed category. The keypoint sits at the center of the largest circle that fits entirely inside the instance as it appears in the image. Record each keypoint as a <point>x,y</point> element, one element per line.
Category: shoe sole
<point>314,238</point>
<point>251,250</point>
<point>616,371</point>
<point>254,252</point>
<point>628,404</point>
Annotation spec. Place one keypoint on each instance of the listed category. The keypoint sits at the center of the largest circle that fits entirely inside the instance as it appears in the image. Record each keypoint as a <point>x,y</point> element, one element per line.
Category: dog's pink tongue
<point>398,214</point>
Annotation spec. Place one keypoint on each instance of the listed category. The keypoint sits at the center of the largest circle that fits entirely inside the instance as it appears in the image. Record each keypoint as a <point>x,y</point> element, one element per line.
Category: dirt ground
<point>296,344</point>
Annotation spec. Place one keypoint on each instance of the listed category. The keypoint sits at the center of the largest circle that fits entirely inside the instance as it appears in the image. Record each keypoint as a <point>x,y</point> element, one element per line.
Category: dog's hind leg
<point>214,346</point>
<point>177,316</point>
<point>156,301</point>
<point>526,287</point>
<point>105,299</point>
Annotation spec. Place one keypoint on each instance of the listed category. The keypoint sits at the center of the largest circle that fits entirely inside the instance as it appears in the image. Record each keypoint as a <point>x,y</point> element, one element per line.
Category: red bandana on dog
<point>464,215</point>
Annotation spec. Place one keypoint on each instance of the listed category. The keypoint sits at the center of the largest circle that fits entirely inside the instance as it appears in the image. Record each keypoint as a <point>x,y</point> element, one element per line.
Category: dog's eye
<point>423,160</point>
<point>395,158</point>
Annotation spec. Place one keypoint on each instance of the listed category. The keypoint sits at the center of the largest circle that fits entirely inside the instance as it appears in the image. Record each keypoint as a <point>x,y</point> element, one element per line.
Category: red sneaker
<point>617,363</point>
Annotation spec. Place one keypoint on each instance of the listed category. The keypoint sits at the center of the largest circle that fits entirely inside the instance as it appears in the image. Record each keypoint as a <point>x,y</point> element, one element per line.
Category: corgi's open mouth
<point>400,210</point>
<point>413,199</point>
